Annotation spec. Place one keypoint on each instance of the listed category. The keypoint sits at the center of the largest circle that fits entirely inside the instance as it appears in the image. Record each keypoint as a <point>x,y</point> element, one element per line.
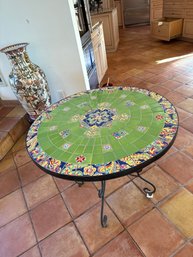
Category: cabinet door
<point>107,28</point>
<point>156,10</point>
<point>98,61</point>
<point>160,30</point>
<point>156,13</point>
<point>100,57</point>
<point>103,56</point>
<point>188,28</point>
<point>110,28</point>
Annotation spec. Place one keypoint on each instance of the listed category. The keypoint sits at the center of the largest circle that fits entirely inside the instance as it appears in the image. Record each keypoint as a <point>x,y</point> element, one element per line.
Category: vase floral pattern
<point>27,80</point>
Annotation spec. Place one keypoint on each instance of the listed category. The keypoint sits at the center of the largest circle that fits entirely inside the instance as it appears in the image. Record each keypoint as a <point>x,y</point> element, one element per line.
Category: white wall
<point>50,28</point>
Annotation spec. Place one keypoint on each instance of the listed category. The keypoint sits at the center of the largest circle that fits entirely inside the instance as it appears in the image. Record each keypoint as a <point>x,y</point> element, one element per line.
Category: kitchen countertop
<point>102,11</point>
<point>96,25</point>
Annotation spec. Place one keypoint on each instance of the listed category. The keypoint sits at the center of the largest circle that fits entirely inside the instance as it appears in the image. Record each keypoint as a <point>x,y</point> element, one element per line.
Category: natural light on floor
<point>171,59</point>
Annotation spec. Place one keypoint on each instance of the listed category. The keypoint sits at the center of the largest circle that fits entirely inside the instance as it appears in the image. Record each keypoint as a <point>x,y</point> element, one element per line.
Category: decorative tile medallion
<point>89,170</point>
<point>98,117</point>
<point>80,158</point>
<point>104,105</point>
<point>159,117</point>
<point>130,103</point>
<point>123,117</point>
<point>65,133</point>
<point>93,97</point>
<point>144,107</point>
<point>67,146</point>
<point>91,132</point>
<point>141,129</point>
<point>53,128</point>
<point>120,134</point>
<point>107,147</point>
<point>123,96</point>
<point>81,105</point>
<point>66,109</point>
<point>75,118</point>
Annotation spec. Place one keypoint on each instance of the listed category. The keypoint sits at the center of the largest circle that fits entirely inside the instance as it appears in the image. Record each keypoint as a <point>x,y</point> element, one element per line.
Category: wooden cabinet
<point>107,4</point>
<point>189,4</point>
<point>174,13</point>
<point>166,28</point>
<point>179,9</point>
<point>188,13</point>
<point>188,28</point>
<point>156,9</point>
<point>173,8</point>
<point>119,5</point>
<point>99,50</point>
<point>110,27</point>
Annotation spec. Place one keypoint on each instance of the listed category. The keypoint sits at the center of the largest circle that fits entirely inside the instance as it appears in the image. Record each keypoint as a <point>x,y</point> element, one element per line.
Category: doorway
<point>136,12</point>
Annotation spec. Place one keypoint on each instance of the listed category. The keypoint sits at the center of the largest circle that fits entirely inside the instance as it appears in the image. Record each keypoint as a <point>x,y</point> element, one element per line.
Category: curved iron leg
<point>80,183</point>
<point>101,193</point>
<point>149,193</point>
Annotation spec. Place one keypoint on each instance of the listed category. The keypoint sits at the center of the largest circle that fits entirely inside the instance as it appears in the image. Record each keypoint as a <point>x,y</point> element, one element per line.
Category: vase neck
<point>19,58</point>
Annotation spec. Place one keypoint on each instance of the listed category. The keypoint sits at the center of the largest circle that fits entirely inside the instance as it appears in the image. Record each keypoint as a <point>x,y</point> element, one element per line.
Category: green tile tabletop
<point>103,133</point>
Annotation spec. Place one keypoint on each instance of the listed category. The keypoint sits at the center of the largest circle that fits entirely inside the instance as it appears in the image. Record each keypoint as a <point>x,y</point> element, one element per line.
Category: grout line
<point>179,248</point>
<point>28,211</point>
<point>45,200</point>
<point>15,189</point>
<point>72,219</point>
<point>136,244</point>
<point>119,218</point>
<point>108,242</point>
<point>29,250</point>
<point>185,239</point>
<point>76,217</point>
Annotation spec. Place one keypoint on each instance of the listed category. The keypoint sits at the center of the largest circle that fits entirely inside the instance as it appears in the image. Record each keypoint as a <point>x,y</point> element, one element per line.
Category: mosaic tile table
<point>103,134</point>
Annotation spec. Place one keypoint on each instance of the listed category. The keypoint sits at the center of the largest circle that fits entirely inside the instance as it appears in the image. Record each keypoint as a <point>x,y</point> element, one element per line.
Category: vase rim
<point>13,47</point>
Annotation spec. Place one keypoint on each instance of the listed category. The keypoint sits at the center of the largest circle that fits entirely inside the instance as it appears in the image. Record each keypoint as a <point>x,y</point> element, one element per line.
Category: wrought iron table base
<point>101,193</point>
<point>148,192</point>
<point>80,183</point>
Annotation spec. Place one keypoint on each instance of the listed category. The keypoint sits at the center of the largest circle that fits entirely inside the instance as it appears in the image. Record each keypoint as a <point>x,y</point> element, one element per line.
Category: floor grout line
<point>28,212</point>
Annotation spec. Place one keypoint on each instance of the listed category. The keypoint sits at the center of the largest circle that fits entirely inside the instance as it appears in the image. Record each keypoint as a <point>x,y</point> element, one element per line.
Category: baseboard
<point>9,102</point>
<point>186,39</point>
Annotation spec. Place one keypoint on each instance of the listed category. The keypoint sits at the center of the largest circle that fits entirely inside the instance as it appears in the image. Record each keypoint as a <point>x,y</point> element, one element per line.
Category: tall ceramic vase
<point>27,80</point>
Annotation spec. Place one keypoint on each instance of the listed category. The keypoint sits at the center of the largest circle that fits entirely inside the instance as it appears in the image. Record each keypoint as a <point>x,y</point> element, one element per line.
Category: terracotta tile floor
<point>41,216</point>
